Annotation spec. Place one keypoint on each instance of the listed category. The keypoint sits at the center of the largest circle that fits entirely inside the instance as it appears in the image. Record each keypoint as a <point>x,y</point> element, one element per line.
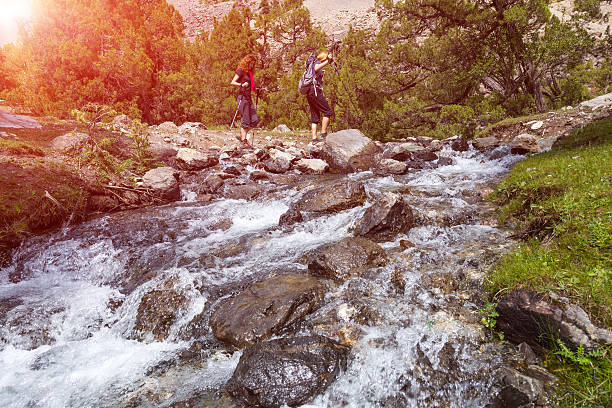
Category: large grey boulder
<point>287,371</point>
<point>71,140</point>
<point>345,259</point>
<point>349,151</point>
<point>528,317</point>
<point>190,159</point>
<point>164,181</point>
<point>388,216</point>
<point>265,308</point>
<point>338,197</point>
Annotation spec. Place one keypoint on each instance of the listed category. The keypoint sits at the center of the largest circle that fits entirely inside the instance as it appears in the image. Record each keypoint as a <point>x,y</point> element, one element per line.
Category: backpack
<point>308,78</point>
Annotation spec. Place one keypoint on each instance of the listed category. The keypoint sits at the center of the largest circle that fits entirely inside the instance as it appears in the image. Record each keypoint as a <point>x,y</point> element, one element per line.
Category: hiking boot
<point>244,143</point>
<point>323,135</point>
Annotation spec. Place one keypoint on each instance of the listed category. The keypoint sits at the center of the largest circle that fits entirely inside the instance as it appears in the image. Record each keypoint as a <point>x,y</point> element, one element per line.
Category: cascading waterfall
<point>69,301</point>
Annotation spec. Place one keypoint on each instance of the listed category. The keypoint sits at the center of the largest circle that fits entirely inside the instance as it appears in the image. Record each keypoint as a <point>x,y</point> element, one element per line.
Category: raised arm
<point>325,62</point>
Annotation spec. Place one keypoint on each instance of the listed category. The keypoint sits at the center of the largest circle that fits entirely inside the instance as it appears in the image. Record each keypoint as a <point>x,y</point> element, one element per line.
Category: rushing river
<point>69,301</point>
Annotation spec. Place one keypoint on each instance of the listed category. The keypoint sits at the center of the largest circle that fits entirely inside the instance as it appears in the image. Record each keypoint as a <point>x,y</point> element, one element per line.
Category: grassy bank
<point>562,202</point>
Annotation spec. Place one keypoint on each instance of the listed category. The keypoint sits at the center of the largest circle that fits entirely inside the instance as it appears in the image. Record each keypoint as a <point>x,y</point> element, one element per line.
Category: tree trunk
<point>534,87</point>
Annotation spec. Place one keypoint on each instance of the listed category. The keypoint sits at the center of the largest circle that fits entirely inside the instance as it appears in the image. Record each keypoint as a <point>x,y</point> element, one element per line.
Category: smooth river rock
<point>265,308</point>
<point>287,371</point>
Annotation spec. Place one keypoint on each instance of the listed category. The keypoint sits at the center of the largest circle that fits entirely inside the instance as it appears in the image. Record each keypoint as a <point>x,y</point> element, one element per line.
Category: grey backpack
<point>308,78</point>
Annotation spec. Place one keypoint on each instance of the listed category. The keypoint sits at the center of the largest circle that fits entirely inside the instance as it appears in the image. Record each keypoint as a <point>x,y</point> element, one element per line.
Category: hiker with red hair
<point>244,80</point>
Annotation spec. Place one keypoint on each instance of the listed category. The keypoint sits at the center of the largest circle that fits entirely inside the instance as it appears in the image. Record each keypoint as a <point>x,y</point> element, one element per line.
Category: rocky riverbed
<point>342,273</point>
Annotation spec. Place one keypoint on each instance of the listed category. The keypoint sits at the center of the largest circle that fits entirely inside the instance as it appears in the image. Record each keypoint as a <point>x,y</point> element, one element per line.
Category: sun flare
<point>15,10</point>
<point>11,13</point>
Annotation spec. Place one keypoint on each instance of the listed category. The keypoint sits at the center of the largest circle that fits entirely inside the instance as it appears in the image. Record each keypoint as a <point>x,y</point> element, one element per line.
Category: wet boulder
<point>312,166</point>
<point>258,175</point>
<point>518,390</point>
<point>190,159</point>
<point>445,161</point>
<point>485,143</point>
<point>164,182</point>
<point>265,308</point>
<point>388,216</point>
<point>527,317</point>
<point>158,311</point>
<point>292,216</point>
<point>277,166</point>
<point>287,371</point>
<point>423,155</point>
<point>525,143</point>
<point>68,141</point>
<point>401,151</point>
<point>349,151</point>
<point>348,258</point>
<point>390,166</point>
<point>460,144</point>
<point>28,327</point>
<point>338,197</point>
<point>243,191</point>
<point>212,184</point>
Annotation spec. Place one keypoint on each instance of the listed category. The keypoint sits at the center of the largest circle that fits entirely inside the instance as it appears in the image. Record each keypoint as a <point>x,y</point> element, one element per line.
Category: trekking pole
<point>235,114</point>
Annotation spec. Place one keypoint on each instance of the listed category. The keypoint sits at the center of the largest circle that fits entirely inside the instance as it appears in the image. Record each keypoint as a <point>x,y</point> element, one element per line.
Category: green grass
<point>24,209</point>
<point>562,201</point>
<point>19,148</point>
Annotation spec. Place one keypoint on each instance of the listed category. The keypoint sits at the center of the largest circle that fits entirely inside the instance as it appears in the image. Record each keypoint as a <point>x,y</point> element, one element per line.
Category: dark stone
<point>243,192</point>
<point>388,216</point>
<point>212,184</point>
<point>157,312</point>
<point>423,155</point>
<point>290,217</point>
<point>509,397</point>
<point>347,258</point>
<point>527,317</point>
<point>460,144</point>
<point>233,170</point>
<point>445,161</point>
<point>414,165</point>
<point>336,198</point>
<point>286,371</point>
<point>258,175</point>
<point>265,308</point>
